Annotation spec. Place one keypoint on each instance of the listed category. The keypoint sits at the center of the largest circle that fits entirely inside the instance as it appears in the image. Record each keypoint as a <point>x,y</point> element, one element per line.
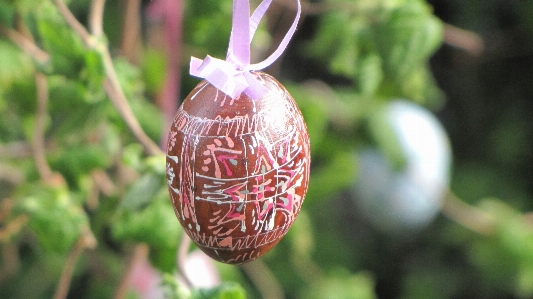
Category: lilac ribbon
<point>233,76</point>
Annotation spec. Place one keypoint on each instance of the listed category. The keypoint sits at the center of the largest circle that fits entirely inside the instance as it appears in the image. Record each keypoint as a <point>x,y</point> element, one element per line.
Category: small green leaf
<point>337,174</point>
<point>76,161</point>
<point>65,48</point>
<point>407,37</point>
<point>386,139</point>
<point>154,70</point>
<point>227,290</point>
<point>154,224</point>
<point>343,285</point>
<point>55,215</point>
<point>370,74</point>
<point>142,192</point>
<point>94,71</point>
<point>14,66</point>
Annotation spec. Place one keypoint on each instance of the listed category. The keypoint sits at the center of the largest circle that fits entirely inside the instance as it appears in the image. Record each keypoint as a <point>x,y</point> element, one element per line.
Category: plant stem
<point>467,215</point>
<point>26,44</point>
<point>131,30</point>
<point>111,82</point>
<point>74,24</point>
<point>96,18</point>
<point>182,257</point>
<point>87,240</point>
<point>463,39</point>
<point>263,279</point>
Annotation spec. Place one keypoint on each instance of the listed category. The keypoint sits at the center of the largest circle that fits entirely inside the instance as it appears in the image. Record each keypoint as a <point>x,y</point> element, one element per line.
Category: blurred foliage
<point>347,61</point>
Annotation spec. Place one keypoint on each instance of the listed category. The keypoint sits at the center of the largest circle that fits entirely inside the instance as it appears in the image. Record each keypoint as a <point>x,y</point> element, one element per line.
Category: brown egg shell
<point>238,169</point>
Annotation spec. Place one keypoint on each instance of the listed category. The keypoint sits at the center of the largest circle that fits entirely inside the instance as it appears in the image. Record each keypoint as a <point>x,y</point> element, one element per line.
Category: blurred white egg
<point>406,199</point>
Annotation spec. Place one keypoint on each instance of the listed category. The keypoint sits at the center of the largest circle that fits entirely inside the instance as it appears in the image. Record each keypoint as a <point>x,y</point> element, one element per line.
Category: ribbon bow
<point>232,76</point>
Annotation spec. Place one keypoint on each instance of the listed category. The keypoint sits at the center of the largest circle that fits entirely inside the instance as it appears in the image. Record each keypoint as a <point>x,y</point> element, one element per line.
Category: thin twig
<point>139,253</point>
<point>111,83</point>
<point>74,24</point>
<point>9,228</point>
<point>11,174</point>
<point>17,149</point>
<point>467,215</point>
<point>131,30</point>
<point>87,240</point>
<point>96,18</point>
<point>183,250</point>
<point>104,182</point>
<point>264,280</point>
<point>25,44</point>
<point>12,228</point>
<point>463,39</point>
<point>116,94</point>
<point>10,261</point>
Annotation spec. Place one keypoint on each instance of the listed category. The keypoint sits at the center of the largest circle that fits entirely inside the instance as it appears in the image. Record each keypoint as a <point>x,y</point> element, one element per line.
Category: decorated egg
<point>238,169</point>
<point>407,199</point>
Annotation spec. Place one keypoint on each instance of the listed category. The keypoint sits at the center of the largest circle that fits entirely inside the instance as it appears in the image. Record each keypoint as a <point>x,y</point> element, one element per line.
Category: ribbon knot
<point>233,76</point>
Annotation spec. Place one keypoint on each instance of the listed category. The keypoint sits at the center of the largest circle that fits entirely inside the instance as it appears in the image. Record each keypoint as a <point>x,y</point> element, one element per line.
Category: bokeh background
<point>419,112</point>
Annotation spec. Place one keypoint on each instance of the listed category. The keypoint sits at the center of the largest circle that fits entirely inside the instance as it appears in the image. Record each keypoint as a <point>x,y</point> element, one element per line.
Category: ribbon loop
<point>233,75</point>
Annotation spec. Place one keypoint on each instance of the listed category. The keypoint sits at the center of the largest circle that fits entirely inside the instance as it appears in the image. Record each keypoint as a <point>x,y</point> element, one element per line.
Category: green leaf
<point>510,249</point>
<point>14,66</point>
<point>227,290</point>
<point>154,224</point>
<point>7,13</point>
<point>343,285</point>
<point>154,70</point>
<point>407,37</point>
<point>337,174</point>
<point>149,117</point>
<point>386,139</point>
<point>370,74</point>
<point>142,192</point>
<point>130,79</point>
<point>94,73</point>
<point>337,42</point>
<point>65,48</point>
<point>132,156</point>
<point>79,160</point>
<point>55,215</point>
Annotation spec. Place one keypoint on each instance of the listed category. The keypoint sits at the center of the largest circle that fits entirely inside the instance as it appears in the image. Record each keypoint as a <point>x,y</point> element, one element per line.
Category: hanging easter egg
<point>238,155</point>
<point>406,199</point>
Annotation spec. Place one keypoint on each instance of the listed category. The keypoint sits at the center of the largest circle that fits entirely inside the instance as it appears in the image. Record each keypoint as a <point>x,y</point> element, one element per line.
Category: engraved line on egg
<point>240,243</point>
<point>197,125</point>
<point>225,196</point>
<point>255,175</point>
